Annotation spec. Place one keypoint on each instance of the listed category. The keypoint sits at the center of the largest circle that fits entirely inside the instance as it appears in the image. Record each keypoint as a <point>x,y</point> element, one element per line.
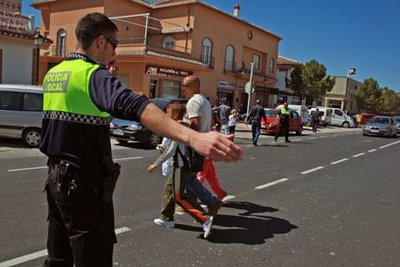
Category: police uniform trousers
<point>81,225</point>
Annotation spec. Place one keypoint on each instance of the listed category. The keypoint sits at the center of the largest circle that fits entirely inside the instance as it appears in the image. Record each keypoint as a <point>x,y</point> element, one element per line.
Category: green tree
<point>389,101</point>
<point>310,80</point>
<point>369,95</point>
<point>296,81</point>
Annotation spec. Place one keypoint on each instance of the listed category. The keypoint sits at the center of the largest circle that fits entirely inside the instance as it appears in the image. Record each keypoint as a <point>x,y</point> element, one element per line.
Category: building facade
<point>286,93</point>
<point>162,42</point>
<point>18,53</point>
<point>343,94</point>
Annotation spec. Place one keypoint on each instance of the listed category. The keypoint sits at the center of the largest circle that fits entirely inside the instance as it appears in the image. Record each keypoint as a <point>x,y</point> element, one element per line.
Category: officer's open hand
<point>216,146</point>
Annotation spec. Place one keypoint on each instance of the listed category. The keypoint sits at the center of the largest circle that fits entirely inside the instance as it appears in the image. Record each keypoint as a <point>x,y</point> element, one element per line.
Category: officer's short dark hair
<point>91,26</point>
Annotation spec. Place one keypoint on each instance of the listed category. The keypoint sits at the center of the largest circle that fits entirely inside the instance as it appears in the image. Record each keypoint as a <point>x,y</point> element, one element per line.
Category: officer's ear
<point>100,41</point>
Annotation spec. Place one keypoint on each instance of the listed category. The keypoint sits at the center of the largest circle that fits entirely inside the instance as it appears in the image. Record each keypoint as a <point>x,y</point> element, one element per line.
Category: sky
<point>364,34</point>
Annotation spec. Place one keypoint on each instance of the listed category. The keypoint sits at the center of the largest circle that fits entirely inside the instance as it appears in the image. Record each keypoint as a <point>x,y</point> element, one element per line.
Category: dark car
<point>126,130</point>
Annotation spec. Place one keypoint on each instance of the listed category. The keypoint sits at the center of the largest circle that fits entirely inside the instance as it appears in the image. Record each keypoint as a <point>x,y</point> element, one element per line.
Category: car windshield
<point>160,102</point>
<point>271,113</point>
<point>379,120</point>
<point>397,119</point>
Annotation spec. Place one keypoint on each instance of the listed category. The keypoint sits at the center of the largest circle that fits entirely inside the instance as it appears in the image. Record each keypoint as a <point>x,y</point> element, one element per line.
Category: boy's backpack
<point>192,160</point>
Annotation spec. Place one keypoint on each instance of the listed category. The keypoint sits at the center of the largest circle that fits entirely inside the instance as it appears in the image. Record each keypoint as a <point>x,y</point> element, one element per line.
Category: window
<point>338,112</point>
<point>169,42</point>
<point>229,55</point>
<point>33,102</point>
<point>61,43</point>
<point>10,101</point>
<point>170,88</point>
<point>206,51</point>
<point>271,65</point>
<point>256,61</point>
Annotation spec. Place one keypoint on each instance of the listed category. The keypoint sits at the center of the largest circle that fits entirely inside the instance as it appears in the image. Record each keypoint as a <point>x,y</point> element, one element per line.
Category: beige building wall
<point>188,24</point>
<point>343,94</point>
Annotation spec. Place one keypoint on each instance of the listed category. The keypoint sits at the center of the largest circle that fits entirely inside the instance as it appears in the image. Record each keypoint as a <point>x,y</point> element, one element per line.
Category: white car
<point>381,126</point>
<point>21,111</point>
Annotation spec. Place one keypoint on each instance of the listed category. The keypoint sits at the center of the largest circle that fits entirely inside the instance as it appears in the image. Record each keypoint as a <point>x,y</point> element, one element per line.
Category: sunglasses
<point>185,85</point>
<point>114,42</point>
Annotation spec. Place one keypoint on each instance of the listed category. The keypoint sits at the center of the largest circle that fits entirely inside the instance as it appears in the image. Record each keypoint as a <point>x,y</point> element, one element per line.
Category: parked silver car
<point>381,126</point>
<point>21,109</point>
<point>397,121</point>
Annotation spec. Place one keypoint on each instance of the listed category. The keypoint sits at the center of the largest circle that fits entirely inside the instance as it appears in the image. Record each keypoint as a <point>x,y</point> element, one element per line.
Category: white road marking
<point>357,155</point>
<point>28,169</point>
<point>296,139</point>
<point>122,159</point>
<point>271,184</point>
<point>372,150</point>
<point>312,170</point>
<point>339,161</point>
<point>312,138</point>
<point>391,144</point>
<point>45,167</point>
<point>43,253</point>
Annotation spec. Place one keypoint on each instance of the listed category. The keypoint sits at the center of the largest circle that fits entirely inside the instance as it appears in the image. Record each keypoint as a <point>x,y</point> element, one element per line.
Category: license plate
<point>374,131</point>
<point>118,132</point>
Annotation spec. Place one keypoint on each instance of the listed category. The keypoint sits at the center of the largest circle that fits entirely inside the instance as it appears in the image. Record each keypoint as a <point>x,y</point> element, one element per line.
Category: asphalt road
<point>327,199</point>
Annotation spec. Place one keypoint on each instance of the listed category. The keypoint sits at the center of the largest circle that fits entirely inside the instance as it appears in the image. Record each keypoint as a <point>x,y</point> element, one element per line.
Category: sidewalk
<point>242,127</point>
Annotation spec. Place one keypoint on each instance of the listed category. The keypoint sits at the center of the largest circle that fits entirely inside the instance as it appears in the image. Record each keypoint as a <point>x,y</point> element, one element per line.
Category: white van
<point>335,116</point>
<point>21,111</point>
<point>302,110</point>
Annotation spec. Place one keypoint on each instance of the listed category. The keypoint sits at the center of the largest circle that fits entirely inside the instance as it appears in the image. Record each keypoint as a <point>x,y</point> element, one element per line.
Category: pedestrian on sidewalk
<point>255,115</point>
<point>315,118</point>
<point>233,118</point>
<point>224,110</point>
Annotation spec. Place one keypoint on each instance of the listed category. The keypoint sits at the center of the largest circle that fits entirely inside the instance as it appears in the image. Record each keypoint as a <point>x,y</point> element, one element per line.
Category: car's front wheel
<point>346,124</point>
<point>300,130</point>
<point>31,137</point>
<point>153,140</point>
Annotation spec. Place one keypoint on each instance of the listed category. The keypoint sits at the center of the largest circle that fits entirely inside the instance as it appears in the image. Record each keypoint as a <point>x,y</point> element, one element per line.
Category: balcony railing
<point>229,66</point>
<point>208,60</point>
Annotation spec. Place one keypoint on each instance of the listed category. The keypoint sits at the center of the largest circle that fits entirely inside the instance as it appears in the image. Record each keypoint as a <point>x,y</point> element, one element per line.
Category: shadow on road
<point>248,230</point>
<point>12,143</point>
<point>250,207</point>
<point>246,227</point>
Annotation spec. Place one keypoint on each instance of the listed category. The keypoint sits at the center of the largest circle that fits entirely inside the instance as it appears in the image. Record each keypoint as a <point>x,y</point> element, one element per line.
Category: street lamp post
<point>38,39</point>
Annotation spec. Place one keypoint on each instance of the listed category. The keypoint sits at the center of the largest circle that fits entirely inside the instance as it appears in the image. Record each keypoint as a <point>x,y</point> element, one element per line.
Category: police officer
<point>79,96</point>
<point>284,116</point>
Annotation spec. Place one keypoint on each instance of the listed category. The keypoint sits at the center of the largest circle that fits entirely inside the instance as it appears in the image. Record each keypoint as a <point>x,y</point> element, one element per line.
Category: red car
<point>271,125</point>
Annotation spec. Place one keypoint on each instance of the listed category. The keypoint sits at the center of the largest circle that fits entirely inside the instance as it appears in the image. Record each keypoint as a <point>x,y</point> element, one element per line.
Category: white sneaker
<point>227,197</point>
<point>161,222</point>
<point>207,226</point>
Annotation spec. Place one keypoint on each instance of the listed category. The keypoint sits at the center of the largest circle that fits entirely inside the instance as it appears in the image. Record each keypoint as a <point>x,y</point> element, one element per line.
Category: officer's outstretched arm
<point>212,144</point>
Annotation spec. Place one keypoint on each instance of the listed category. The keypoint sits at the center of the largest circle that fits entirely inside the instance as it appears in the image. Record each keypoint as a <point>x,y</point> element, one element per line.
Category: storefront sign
<point>14,22</point>
<point>153,70</point>
<point>221,84</point>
